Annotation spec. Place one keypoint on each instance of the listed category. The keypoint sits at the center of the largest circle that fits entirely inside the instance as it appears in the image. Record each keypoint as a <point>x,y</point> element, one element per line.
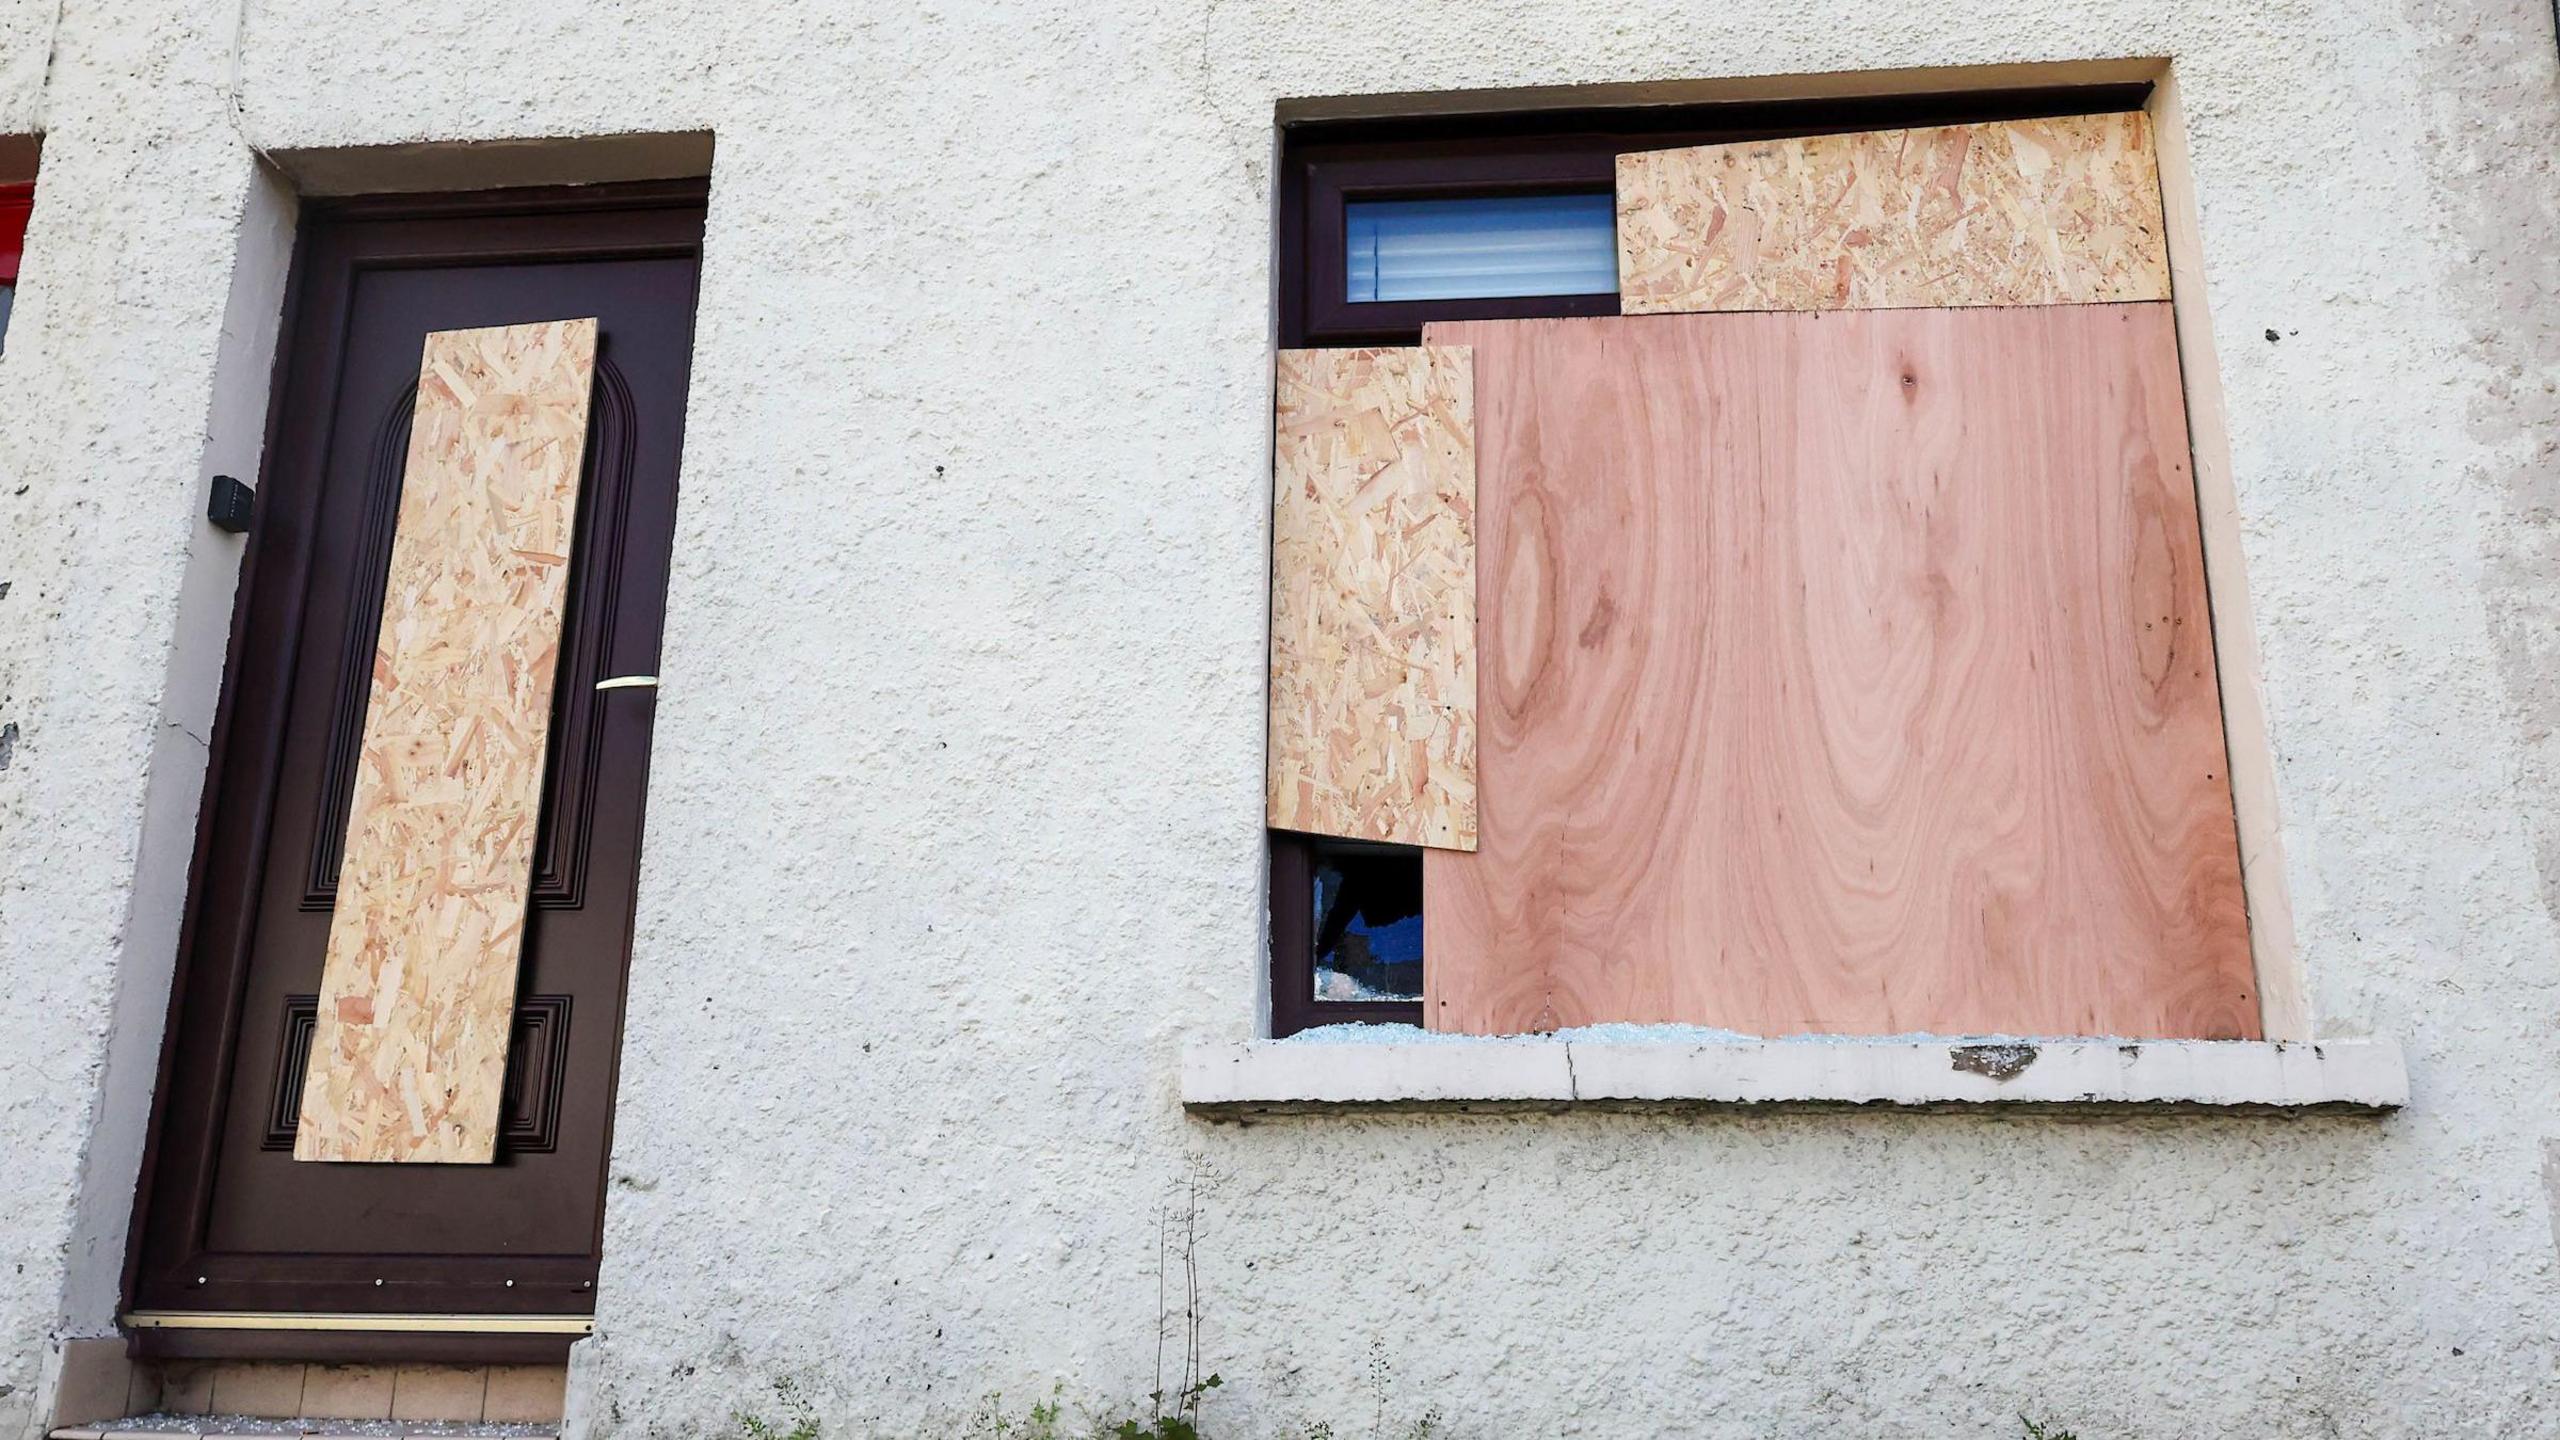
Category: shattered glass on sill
<point>1368,922</point>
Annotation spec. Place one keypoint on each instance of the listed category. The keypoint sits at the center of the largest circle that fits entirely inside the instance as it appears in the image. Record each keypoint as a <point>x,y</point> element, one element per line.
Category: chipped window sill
<point>1436,1072</point>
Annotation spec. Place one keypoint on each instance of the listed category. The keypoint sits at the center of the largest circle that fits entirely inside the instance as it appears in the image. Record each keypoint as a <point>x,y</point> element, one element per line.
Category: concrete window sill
<point>1548,1073</point>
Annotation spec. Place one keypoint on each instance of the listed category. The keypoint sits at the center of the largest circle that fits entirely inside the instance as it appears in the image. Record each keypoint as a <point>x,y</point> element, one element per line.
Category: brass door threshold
<point>379,1324</point>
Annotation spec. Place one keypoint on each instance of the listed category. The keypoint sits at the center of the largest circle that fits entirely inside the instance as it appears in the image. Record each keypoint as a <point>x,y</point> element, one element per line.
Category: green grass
<point>802,1419</point>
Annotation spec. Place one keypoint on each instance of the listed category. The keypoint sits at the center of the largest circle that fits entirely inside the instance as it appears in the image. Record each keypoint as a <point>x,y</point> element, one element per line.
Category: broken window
<point>1389,225</point>
<point>1368,922</point>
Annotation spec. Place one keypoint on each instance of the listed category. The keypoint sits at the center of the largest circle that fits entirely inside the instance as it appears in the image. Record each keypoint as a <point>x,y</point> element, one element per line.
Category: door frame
<point>189,1100</point>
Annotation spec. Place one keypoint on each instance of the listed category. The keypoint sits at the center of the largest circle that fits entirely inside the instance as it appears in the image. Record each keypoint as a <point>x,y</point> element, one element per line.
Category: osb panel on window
<point>1844,673</point>
<point>2022,212</point>
<point>417,996</point>
<point>1373,596</point>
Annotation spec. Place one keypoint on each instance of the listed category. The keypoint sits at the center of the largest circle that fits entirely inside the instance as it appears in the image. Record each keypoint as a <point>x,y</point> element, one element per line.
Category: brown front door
<point>229,1221</point>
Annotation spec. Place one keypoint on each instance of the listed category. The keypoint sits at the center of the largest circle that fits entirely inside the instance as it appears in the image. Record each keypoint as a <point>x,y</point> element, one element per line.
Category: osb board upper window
<point>417,996</point>
<point>1844,673</point>
<point>1373,596</point>
<point>2021,212</point>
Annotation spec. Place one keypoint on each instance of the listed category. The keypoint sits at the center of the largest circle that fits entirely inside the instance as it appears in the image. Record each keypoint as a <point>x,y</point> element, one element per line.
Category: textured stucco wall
<point>955,806</point>
<point>26,40</point>
<point>107,424</point>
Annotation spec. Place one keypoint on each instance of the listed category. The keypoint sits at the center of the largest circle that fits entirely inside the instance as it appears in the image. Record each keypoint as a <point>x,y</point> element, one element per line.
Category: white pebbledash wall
<point>955,823</point>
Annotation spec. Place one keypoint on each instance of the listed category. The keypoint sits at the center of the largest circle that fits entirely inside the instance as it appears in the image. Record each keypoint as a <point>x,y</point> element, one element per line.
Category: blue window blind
<point>1481,246</point>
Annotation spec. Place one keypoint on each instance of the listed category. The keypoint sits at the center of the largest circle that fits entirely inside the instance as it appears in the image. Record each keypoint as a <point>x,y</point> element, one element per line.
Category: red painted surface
<point>15,201</point>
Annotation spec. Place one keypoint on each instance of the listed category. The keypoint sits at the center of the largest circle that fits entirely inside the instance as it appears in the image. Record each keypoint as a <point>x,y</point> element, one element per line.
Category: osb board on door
<point>418,991</point>
<point>1844,673</point>
<point>2019,212</point>
<point>1373,596</point>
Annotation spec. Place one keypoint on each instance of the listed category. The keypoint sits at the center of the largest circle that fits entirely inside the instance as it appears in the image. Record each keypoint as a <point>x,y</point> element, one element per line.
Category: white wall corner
<point>235,439</point>
<point>578,1420</point>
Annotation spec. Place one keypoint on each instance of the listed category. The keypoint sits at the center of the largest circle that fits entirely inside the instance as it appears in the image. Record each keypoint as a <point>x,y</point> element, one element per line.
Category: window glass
<point>1368,923</point>
<point>1480,246</point>
<point>7,293</point>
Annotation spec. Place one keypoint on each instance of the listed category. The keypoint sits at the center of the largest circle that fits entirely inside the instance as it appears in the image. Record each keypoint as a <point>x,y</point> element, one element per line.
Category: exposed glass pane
<point>1481,246</point>
<point>1368,923</point>
<point>7,293</point>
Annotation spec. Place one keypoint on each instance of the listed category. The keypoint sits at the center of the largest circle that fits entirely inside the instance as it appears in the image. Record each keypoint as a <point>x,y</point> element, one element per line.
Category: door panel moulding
<point>417,1000</point>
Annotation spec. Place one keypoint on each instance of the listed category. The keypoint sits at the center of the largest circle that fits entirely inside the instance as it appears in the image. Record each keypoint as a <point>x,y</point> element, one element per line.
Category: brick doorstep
<point>237,1427</point>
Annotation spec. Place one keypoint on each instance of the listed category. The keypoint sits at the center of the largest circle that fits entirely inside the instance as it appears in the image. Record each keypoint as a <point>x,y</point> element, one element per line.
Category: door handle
<point>629,682</point>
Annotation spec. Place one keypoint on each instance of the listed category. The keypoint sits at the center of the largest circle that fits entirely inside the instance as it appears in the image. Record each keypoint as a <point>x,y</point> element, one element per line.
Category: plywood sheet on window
<point>2021,212</point>
<point>1373,594</point>
<point>417,995</point>
<point>1843,673</point>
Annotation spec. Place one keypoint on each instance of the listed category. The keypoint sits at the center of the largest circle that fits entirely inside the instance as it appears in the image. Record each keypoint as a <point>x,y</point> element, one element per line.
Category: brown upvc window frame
<point>1326,166</point>
<point>17,202</point>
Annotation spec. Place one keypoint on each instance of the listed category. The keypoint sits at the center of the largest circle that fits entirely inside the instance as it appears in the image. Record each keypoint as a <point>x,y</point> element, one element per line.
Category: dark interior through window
<point>1368,919</point>
<point>1387,225</point>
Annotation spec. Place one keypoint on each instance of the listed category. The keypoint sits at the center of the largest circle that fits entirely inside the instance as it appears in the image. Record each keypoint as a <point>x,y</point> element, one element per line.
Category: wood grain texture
<point>2020,212</point>
<point>1844,673</point>
<point>417,995</point>
<point>1373,596</point>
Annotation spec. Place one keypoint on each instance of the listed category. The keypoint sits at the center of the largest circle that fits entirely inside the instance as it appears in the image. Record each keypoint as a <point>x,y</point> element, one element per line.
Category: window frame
<point>1327,164</point>
<point>1334,177</point>
<point>17,202</point>
<point>1294,1006</point>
